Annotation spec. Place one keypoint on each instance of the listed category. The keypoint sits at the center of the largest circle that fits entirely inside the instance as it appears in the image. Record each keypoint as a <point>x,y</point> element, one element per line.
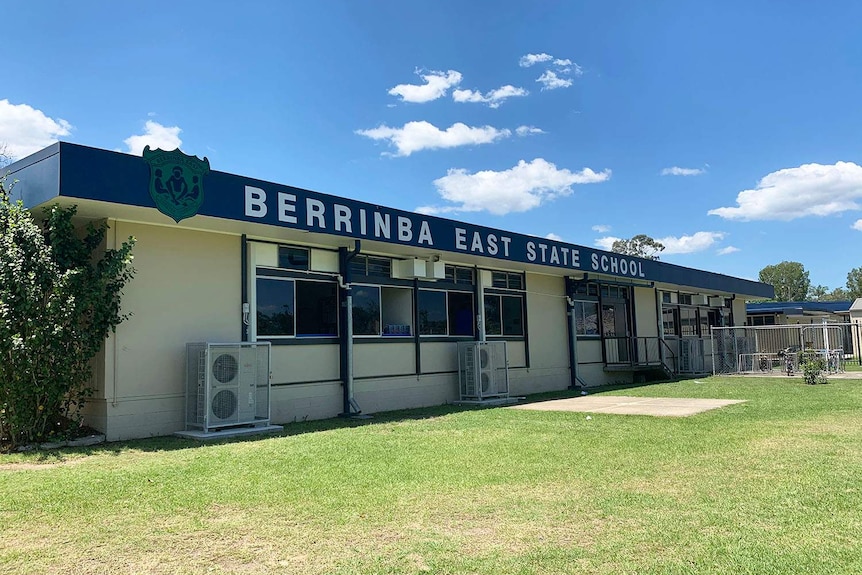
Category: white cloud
<point>809,190</point>
<point>493,98</point>
<point>25,130</point>
<point>550,81</point>
<point>553,236</point>
<point>677,171</point>
<point>857,225</point>
<point>696,242</point>
<point>155,136</point>
<point>416,136</point>
<point>727,250</point>
<point>602,229</point>
<point>528,131</point>
<point>518,189</point>
<point>529,59</point>
<point>562,62</point>
<point>436,85</point>
<point>607,242</point>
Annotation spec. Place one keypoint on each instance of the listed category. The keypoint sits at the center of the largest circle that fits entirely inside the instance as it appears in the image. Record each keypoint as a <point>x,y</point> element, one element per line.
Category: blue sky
<point>729,130</point>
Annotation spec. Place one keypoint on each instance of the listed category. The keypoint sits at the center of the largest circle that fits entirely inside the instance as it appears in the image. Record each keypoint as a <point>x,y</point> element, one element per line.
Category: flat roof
<point>115,185</point>
<point>798,307</point>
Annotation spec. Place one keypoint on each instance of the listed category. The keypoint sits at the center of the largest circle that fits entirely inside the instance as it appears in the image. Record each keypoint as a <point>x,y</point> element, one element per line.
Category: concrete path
<point>626,405</point>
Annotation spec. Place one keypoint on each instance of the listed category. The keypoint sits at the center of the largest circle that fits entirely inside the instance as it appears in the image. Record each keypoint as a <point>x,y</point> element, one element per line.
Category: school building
<point>228,258</point>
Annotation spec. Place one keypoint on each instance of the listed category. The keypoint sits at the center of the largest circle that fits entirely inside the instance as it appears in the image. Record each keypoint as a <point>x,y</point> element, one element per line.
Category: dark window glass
<point>499,279</point>
<point>460,313</point>
<point>668,321</point>
<point>586,317</point>
<point>703,318</point>
<point>687,321</point>
<point>316,308</point>
<point>513,315</point>
<point>275,312</point>
<point>665,297</point>
<point>450,273</point>
<point>432,312</point>
<point>379,267</point>
<point>464,276</point>
<point>366,310</point>
<point>685,298</point>
<point>493,321</point>
<point>516,281</point>
<point>292,258</point>
<point>358,266</point>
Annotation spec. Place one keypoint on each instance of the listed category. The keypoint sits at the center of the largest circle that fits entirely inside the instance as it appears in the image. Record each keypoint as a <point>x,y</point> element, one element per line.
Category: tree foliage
<point>854,283</point>
<point>640,245</point>
<point>790,280</point>
<point>60,296</point>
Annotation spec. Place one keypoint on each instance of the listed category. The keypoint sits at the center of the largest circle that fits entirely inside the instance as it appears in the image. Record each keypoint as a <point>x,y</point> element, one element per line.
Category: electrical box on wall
<point>435,270</point>
<point>408,269</point>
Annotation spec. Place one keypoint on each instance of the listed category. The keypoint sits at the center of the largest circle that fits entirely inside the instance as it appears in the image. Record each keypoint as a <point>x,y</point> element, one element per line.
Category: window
<point>290,258</point>
<point>366,310</point>
<point>370,266</point>
<point>586,317</point>
<point>445,313</point>
<point>288,307</point>
<point>504,315</point>
<point>507,280</point>
<point>316,309</point>
<point>275,307</point>
<point>688,321</point>
<point>763,320</point>
<point>382,310</point>
<point>459,275</point>
<point>461,316</point>
<point>432,312</point>
<point>669,321</point>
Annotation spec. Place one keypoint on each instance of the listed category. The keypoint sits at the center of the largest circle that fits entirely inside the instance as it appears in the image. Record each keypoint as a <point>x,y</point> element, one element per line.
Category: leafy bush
<point>812,370</point>
<point>59,299</point>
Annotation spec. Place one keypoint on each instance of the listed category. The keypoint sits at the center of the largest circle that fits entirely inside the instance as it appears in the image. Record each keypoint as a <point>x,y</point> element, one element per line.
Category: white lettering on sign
<point>381,225</point>
<point>425,234</point>
<point>255,202</point>
<point>405,229</point>
<point>342,219</point>
<point>286,207</point>
<point>314,210</point>
<point>461,239</point>
<point>618,265</point>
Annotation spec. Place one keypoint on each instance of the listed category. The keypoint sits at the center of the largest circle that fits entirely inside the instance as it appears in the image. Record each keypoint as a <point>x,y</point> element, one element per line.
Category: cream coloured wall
<point>305,363</point>
<point>645,312</point>
<point>186,288</point>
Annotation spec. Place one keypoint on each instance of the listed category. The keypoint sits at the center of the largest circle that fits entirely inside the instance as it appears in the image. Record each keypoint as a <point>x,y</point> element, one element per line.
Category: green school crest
<point>176,182</point>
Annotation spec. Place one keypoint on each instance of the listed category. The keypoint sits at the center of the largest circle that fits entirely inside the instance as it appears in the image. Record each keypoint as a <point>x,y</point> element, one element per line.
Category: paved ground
<point>625,405</point>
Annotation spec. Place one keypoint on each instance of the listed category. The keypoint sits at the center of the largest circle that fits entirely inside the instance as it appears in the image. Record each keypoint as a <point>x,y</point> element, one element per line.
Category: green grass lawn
<point>773,485</point>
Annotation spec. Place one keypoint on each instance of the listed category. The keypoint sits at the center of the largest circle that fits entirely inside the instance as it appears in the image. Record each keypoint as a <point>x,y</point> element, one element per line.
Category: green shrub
<point>59,299</point>
<point>812,370</point>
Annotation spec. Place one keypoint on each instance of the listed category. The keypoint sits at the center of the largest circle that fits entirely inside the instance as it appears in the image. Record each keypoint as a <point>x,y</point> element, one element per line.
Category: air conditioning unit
<point>483,370</point>
<point>227,384</point>
<point>699,299</point>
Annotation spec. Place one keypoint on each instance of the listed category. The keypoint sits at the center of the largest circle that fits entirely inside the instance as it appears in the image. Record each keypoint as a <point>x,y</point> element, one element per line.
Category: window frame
<point>261,274</point>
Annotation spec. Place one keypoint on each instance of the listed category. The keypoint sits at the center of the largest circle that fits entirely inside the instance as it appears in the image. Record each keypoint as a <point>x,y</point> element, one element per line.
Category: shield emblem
<point>176,182</point>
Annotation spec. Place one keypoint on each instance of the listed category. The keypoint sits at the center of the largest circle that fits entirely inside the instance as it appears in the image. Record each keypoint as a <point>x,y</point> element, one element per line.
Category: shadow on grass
<point>172,443</point>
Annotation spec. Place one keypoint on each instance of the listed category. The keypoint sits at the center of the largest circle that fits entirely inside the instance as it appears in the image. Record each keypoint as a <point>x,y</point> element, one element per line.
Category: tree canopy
<point>640,245</point>
<point>790,280</point>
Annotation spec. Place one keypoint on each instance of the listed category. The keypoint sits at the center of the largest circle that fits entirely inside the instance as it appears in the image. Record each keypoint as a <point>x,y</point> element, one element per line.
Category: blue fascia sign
<point>101,175</point>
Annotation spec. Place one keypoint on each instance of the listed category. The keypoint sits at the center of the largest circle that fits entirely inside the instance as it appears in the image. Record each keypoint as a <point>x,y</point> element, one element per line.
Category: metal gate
<point>766,348</point>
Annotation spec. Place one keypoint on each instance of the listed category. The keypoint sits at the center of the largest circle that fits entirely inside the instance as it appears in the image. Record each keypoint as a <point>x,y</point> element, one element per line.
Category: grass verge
<point>767,486</point>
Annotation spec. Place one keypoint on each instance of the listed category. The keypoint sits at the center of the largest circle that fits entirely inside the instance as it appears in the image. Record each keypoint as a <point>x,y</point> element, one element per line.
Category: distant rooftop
<point>800,307</point>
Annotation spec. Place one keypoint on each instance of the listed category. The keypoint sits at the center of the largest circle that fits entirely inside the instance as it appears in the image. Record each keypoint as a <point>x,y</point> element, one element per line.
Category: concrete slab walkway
<point>626,405</point>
